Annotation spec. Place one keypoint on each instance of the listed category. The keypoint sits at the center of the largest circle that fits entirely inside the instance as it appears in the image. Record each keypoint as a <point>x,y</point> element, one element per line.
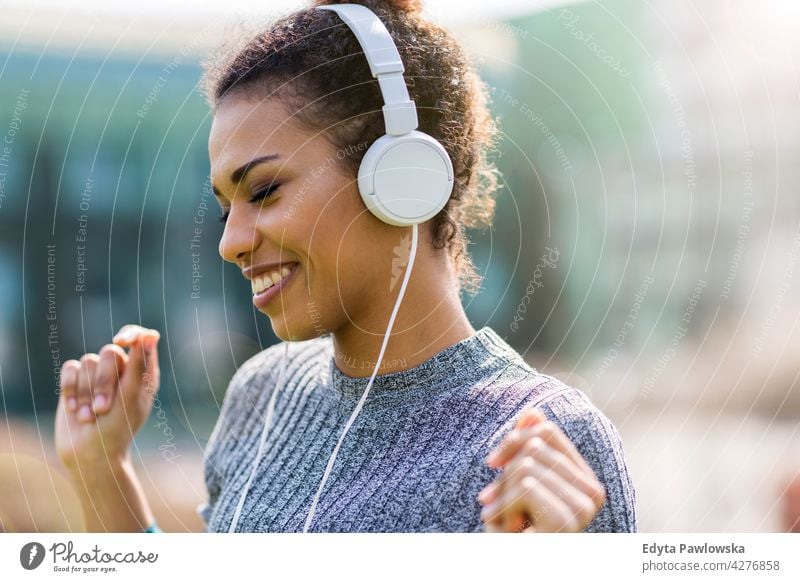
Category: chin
<point>287,330</point>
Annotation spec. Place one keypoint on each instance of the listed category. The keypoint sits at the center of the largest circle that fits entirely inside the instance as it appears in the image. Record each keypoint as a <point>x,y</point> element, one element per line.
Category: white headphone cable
<point>264,433</point>
<point>353,416</point>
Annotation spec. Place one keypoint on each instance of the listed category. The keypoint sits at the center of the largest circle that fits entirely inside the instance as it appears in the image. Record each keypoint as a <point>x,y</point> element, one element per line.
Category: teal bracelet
<point>153,528</point>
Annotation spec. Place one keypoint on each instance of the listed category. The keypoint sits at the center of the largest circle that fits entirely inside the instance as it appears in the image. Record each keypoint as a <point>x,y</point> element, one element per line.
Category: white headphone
<point>405,178</point>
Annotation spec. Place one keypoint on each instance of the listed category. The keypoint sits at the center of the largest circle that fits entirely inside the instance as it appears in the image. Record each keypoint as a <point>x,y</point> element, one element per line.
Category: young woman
<point>456,432</point>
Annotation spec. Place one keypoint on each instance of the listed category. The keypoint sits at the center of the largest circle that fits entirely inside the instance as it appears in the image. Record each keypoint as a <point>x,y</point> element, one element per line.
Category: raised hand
<point>106,398</point>
<point>546,486</point>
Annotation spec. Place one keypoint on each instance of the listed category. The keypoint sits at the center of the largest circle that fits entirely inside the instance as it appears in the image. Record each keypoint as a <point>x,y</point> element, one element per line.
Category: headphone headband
<point>385,64</point>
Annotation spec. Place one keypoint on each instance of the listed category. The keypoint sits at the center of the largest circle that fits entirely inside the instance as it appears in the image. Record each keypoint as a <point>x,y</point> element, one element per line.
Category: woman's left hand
<point>546,486</point>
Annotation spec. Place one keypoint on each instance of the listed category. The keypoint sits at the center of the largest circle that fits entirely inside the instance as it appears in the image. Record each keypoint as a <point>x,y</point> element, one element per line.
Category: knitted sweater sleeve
<point>598,442</point>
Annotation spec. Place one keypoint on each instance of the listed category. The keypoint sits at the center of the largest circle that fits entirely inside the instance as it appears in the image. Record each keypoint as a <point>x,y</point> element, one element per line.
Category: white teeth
<point>267,280</point>
<point>260,283</point>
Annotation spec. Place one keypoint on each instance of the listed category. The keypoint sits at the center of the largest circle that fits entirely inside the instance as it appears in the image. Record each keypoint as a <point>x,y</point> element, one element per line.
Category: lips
<point>263,281</point>
<point>267,283</point>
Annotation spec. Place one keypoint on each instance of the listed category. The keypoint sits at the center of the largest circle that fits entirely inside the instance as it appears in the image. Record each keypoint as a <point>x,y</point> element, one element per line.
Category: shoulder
<point>598,441</point>
<point>575,413</point>
<point>510,391</point>
<point>521,387</point>
<point>592,433</point>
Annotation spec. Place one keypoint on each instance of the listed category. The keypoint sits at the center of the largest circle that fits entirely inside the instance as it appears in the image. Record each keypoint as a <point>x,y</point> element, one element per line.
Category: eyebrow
<point>239,173</point>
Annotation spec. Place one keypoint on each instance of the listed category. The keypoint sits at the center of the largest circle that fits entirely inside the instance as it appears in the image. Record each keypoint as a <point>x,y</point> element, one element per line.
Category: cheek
<point>344,245</point>
<point>337,219</point>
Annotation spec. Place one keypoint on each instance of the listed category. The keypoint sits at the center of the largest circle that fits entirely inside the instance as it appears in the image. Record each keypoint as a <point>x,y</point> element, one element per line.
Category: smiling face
<point>294,215</point>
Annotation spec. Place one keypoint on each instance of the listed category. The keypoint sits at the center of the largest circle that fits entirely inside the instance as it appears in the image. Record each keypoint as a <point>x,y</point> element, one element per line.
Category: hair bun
<point>408,6</point>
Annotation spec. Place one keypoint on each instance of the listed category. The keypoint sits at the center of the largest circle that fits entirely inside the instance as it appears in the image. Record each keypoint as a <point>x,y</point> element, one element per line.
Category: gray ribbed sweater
<point>413,461</point>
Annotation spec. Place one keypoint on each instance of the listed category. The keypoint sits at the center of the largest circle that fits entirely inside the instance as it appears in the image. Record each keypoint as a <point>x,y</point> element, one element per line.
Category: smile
<point>269,284</point>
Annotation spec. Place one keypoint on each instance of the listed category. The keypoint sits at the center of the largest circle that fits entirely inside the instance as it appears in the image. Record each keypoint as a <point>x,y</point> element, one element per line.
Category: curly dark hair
<point>314,64</point>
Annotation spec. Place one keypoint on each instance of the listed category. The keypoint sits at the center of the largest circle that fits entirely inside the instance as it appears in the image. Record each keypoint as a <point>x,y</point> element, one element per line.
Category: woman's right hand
<point>106,398</point>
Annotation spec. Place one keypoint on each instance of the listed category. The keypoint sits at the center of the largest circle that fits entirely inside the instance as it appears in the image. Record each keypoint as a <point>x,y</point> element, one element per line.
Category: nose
<point>239,238</point>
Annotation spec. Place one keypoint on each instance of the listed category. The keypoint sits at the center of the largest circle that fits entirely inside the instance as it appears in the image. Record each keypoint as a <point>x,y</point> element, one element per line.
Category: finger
<point>69,384</point>
<point>551,459</point>
<point>556,437</point>
<point>494,514</point>
<point>536,502</point>
<point>489,493</point>
<point>85,380</point>
<point>550,514</point>
<point>547,431</point>
<point>509,480</point>
<point>510,444</point>
<point>490,514</point>
<point>490,496</point>
<point>530,417</point>
<point>514,440</point>
<point>109,369</point>
<point>582,506</point>
<point>142,367</point>
<point>130,333</point>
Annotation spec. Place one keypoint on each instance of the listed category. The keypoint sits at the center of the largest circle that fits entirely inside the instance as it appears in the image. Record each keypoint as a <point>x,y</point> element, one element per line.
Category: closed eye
<point>264,192</point>
<point>257,196</point>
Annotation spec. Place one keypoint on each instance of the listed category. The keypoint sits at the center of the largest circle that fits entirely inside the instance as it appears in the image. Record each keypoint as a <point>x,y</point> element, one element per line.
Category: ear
<point>530,417</point>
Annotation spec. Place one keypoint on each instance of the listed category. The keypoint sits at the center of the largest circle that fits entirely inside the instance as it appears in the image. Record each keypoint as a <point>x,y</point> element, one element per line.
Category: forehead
<point>244,128</point>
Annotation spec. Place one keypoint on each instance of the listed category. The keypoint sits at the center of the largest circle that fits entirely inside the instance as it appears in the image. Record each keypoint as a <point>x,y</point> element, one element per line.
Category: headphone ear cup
<point>405,179</point>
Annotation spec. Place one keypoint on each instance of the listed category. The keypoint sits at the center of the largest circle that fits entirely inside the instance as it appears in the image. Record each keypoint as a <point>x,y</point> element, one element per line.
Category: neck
<point>430,319</point>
